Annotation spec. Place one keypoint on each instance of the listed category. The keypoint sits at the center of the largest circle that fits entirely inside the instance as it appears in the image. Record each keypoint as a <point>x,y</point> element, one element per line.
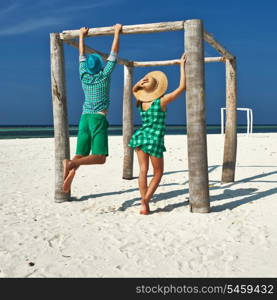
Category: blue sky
<point>246,28</point>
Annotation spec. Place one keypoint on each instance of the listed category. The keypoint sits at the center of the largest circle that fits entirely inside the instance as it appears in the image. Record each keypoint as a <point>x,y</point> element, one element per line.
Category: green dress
<point>150,136</point>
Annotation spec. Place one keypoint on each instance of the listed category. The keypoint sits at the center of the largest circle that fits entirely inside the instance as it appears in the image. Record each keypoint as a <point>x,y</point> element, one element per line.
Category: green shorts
<point>92,135</point>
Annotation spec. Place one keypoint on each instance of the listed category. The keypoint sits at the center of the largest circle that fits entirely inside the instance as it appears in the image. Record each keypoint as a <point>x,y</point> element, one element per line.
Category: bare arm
<point>83,32</point>
<point>111,60</point>
<point>115,44</point>
<point>167,98</point>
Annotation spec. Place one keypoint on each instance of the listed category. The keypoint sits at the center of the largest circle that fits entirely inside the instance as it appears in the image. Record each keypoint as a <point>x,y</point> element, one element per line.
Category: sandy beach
<point>101,234</point>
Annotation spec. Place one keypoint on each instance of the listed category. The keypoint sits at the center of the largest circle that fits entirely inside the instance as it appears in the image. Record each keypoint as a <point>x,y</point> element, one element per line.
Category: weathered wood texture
<point>214,59</point>
<point>59,114</point>
<point>127,124</point>
<point>88,49</point>
<point>126,62</point>
<point>230,144</point>
<point>171,62</point>
<point>127,29</point>
<point>215,44</point>
<point>196,123</point>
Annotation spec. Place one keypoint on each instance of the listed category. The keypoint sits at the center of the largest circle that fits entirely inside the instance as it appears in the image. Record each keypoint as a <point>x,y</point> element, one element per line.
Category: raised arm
<point>82,33</point>
<point>115,44</point>
<point>167,98</point>
<point>111,61</point>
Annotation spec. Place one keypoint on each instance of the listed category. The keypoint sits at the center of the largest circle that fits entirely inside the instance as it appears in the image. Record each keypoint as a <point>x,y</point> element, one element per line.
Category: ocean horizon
<point>46,131</point>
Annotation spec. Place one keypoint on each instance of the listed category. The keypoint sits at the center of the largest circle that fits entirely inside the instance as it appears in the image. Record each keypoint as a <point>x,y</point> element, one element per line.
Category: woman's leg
<point>158,166</point>
<point>143,160</point>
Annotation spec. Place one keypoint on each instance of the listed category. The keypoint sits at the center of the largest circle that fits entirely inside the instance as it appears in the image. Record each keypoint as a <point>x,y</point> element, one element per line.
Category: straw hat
<point>154,88</point>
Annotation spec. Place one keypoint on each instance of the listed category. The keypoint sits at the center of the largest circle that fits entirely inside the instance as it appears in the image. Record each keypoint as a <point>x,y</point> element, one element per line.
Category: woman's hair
<point>138,103</point>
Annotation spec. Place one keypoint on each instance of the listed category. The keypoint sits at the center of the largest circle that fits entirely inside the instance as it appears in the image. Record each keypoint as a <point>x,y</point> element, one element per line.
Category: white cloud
<point>87,6</point>
<point>29,25</point>
<point>31,16</point>
<point>8,9</point>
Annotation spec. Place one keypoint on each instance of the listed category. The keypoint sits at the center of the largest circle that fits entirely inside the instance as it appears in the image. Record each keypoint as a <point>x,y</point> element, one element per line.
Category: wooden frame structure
<point>195,104</point>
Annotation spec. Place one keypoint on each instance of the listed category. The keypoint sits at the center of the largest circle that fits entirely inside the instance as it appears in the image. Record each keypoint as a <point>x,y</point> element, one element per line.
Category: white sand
<point>101,234</point>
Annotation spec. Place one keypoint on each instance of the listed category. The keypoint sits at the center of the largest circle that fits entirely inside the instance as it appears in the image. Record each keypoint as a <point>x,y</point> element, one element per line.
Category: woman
<point>148,141</point>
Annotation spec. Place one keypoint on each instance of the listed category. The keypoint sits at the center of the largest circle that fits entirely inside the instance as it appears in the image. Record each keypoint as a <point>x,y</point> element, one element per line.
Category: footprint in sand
<point>196,266</point>
<point>56,241</point>
<point>182,266</point>
<point>212,254</point>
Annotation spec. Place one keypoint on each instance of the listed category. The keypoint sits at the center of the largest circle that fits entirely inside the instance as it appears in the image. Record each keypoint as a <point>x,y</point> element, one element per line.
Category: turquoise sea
<point>11,132</point>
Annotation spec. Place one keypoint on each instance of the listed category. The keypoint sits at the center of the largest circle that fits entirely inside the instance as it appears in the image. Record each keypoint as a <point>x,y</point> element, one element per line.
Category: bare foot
<point>65,168</point>
<point>68,180</point>
<point>144,209</point>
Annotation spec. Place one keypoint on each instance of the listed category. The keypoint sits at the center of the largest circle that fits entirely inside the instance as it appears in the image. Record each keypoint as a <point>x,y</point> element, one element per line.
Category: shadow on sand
<point>251,194</point>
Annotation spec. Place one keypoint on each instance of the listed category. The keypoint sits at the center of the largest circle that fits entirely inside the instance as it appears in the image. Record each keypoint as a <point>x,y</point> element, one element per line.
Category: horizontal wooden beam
<point>214,59</point>
<point>156,63</point>
<point>127,29</point>
<point>215,44</point>
<point>120,61</point>
<point>129,63</point>
<point>171,62</point>
<point>147,28</point>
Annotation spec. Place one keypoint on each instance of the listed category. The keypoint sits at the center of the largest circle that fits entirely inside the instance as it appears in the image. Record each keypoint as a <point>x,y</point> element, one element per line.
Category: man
<point>92,140</point>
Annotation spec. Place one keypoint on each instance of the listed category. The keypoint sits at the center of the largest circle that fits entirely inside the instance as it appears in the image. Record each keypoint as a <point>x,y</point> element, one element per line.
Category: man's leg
<point>76,162</point>
<point>69,173</point>
<point>93,136</point>
<point>67,163</point>
<point>87,160</point>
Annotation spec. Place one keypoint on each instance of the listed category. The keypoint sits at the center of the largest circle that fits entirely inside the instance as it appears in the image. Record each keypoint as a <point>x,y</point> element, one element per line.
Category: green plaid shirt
<point>96,87</point>
<point>150,137</point>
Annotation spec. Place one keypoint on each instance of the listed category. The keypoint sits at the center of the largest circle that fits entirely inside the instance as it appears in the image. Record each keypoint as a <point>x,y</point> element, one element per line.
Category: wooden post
<point>196,123</point>
<point>59,114</point>
<point>127,123</point>
<point>230,144</point>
